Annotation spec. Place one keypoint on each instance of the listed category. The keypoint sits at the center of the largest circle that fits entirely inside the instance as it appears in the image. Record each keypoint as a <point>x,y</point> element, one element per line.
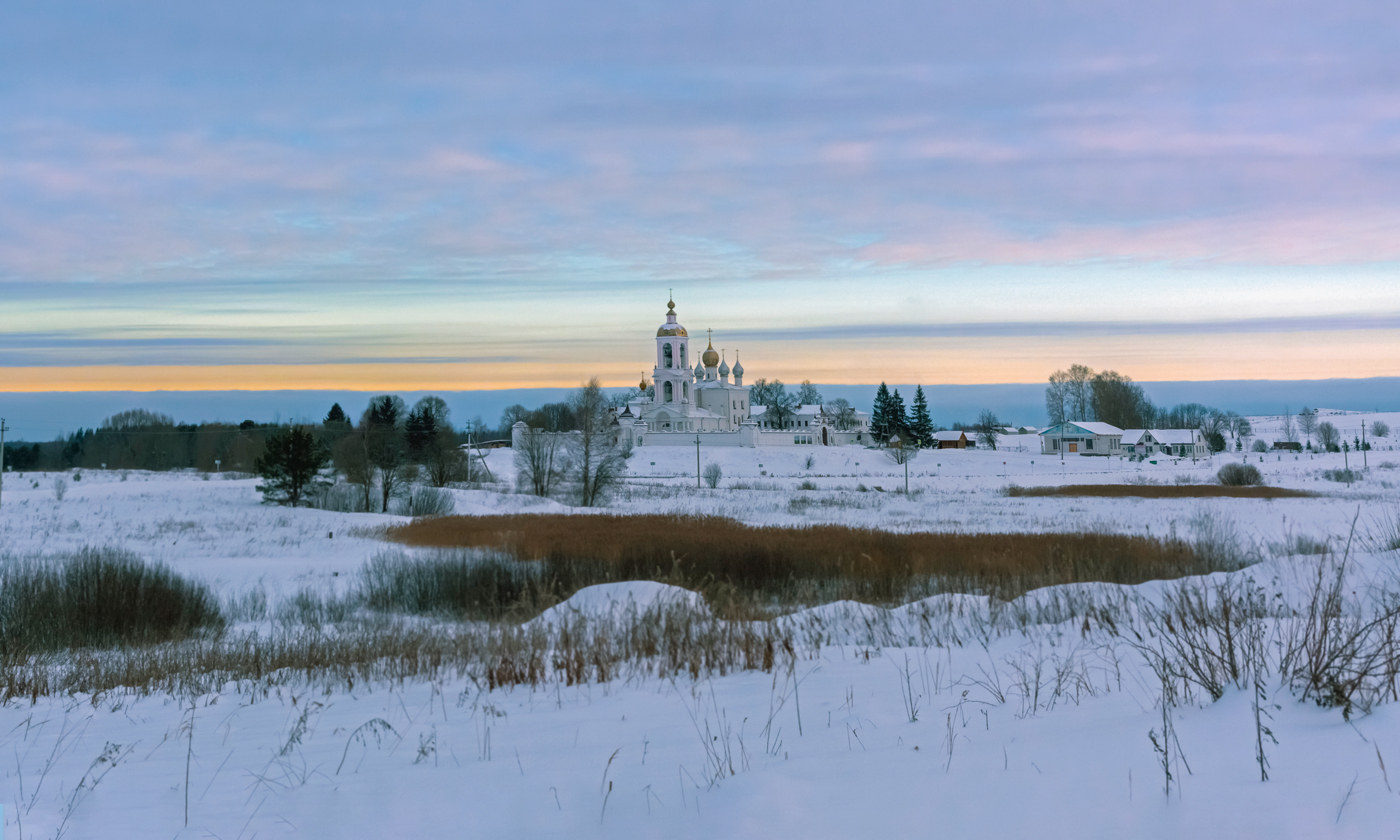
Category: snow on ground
<point>838,757</point>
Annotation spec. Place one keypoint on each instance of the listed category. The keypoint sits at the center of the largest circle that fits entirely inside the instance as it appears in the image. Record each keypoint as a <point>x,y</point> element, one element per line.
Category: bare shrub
<point>1339,652</point>
<point>340,497</point>
<point>462,583</point>
<point>1384,533</point>
<point>60,488</point>
<point>712,475</point>
<point>1343,476</point>
<point>426,501</point>
<point>1208,634</point>
<point>1260,446</point>
<point>99,597</point>
<point>1239,475</point>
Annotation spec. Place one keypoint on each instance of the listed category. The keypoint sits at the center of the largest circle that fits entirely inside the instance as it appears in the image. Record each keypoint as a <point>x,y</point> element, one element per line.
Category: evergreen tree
<point>880,415</point>
<point>335,418</point>
<point>419,431</point>
<point>290,466</point>
<point>921,424</point>
<point>897,416</point>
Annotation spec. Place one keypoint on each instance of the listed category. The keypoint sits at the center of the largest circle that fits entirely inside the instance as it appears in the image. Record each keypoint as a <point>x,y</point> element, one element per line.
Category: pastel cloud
<point>321,180</point>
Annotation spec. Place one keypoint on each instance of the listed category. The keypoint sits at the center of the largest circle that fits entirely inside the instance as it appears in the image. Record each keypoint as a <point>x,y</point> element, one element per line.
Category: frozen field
<point>1033,727</point>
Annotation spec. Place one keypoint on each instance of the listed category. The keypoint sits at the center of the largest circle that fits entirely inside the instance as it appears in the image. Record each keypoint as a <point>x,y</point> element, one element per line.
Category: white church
<point>703,403</point>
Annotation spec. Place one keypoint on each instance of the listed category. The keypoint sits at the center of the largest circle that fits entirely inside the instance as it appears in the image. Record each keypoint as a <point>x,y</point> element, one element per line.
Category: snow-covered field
<point>1036,730</point>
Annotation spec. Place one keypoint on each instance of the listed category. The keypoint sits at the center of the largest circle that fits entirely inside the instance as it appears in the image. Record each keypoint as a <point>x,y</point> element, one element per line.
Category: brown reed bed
<point>763,568</point>
<point>1161,491</point>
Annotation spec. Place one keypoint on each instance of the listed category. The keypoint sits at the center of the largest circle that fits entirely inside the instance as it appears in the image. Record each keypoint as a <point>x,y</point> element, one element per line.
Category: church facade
<point>702,402</point>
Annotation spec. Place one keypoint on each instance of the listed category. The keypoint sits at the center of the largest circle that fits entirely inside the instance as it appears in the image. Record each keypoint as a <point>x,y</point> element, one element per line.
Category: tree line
<point>146,440</point>
<point>1081,394</point>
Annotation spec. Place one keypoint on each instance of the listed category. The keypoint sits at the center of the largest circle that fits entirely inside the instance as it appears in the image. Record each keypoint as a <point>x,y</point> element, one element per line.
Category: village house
<point>1081,438</point>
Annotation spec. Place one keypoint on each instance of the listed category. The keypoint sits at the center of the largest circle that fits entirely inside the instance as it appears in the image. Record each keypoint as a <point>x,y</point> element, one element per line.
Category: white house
<point>1081,438</point>
<point>1181,443</point>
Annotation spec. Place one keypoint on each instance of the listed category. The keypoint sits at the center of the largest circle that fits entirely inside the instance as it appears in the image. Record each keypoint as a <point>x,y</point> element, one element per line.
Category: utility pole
<point>1365,464</point>
<point>697,461</point>
<point>2,455</point>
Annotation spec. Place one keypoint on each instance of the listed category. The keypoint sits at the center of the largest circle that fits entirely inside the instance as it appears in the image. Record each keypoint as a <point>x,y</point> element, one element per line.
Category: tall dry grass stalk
<point>664,641</point>
<point>733,563</point>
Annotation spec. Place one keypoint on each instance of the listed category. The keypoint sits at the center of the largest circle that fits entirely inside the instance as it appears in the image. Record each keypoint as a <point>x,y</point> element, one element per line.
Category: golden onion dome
<point>671,327</point>
<point>710,358</point>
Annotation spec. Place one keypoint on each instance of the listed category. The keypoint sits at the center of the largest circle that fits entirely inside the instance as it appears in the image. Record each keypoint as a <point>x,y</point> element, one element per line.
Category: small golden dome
<point>710,358</point>
<point>670,327</point>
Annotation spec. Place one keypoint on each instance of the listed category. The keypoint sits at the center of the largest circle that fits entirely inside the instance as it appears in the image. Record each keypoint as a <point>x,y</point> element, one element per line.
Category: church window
<point>683,364</point>
<point>685,389</point>
<point>669,391</point>
<point>666,355</point>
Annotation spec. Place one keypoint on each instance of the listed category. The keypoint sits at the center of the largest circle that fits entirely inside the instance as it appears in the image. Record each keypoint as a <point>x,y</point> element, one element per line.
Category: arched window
<point>669,393</point>
<point>683,364</point>
<point>666,356</point>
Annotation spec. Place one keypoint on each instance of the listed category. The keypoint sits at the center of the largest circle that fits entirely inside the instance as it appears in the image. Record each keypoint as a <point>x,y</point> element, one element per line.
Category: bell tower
<point>672,374</point>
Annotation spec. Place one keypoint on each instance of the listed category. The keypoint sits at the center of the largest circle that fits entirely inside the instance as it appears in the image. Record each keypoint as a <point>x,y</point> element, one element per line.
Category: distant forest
<point>146,440</point>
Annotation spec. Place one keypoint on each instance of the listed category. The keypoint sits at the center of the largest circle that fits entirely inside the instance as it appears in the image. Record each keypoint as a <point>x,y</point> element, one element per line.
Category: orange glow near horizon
<point>1349,355</point>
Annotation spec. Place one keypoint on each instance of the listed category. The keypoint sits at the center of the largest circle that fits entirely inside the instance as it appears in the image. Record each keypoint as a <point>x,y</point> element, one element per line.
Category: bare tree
<point>540,461</point>
<point>597,462</point>
<point>988,428</point>
<point>1327,435</point>
<point>897,450</point>
<point>1290,431</point>
<point>807,394</point>
<point>445,460</point>
<point>1307,423</point>
<point>1379,429</point>
<point>1080,395</point>
<point>351,459</point>
<point>1242,429</point>
<point>843,417</point>
<point>1055,397</point>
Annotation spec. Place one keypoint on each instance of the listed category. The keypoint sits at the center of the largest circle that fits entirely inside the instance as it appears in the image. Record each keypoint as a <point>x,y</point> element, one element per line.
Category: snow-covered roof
<point>1177,436</point>
<point>953,435</point>
<point>1090,426</point>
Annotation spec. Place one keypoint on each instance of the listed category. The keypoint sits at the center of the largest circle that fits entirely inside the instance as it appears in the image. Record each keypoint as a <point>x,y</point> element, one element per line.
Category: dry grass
<point>757,569</point>
<point>665,642</point>
<point>1162,491</point>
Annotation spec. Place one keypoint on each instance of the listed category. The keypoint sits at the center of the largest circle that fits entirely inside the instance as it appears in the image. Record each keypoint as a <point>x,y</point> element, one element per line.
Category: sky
<point>458,196</point>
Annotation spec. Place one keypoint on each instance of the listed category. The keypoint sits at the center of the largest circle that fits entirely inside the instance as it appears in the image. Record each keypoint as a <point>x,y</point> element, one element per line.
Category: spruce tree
<point>290,466</point>
<point>880,415</point>
<point>921,424</point>
<point>898,416</point>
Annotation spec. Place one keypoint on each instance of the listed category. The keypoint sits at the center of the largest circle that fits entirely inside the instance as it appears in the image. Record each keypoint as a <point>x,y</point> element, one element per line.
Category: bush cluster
<point>1240,475</point>
<point>99,598</point>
